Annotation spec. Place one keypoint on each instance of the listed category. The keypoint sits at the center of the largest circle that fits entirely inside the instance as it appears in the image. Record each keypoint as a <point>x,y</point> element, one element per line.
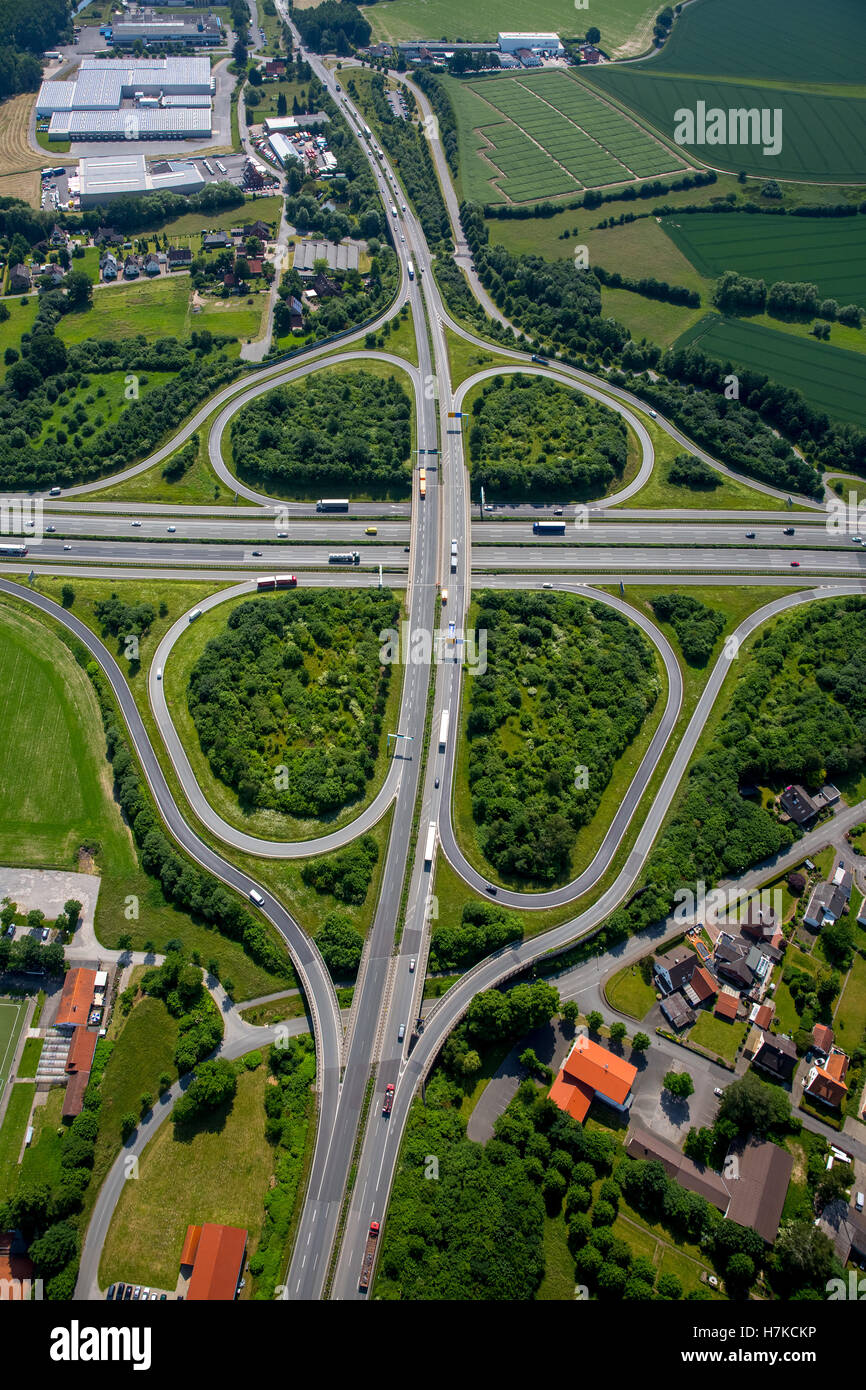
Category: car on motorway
<point>795,564</point>
<point>282,535</point>
<point>547,586</point>
<point>788,531</point>
<point>557,511</point>
<point>371,531</point>
<point>405,550</point>
<point>491,889</point>
<point>654,415</point>
<point>171,529</point>
<point>49,529</point>
<point>257,553</point>
<point>256,897</point>
<point>436,783</point>
<point>136,523</point>
<point>159,673</point>
<point>488,506</point>
<point>67,547</point>
<point>412,966</point>
<point>401,1032</point>
<point>750,535</point>
<point>856,540</point>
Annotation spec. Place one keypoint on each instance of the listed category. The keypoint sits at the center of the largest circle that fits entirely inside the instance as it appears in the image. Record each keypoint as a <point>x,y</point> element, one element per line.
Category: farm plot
<point>640,152</point>
<point>827,252</point>
<point>528,171</point>
<point>584,158</point>
<point>830,378</point>
<point>822,135</point>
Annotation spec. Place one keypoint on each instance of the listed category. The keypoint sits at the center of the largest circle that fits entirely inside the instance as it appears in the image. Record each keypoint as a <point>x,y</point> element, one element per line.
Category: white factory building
<point>100,180</point>
<point>167,98</point>
<point>197,32</point>
<point>546,44</point>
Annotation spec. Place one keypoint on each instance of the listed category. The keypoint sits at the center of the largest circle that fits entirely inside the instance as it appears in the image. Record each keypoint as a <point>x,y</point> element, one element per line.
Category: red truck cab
<point>388,1100</point>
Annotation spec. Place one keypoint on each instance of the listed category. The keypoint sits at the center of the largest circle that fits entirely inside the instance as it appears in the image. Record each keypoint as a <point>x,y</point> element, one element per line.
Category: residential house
<point>730,960</point>
<point>325,287</point>
<point>275,67</point>
<point>762,1015</point>
<point>57,237</point>
<point>54,273</point>
<point>753,1199</point>
<point>130,268</point>
<point>215,241</point>
<point>258,229</point>
<point>822,1037</point>
<point>296,314</point>
<point>19,279</point>
<point>677,1011</point>
<point>701,987</point>
<point>590,1072</point>
<point>179,256</point>
<point>827,1082</point>
<point>107,236</point>
<point>797,805</point>
<point>776,1055</point>
<point>256,266</point>
<point>675,969</point>
<point>590,54</point>
<point>846,1227</point>
<point>151,265</point>
<point>760,923</point>
<point>727,1005</point>
<point>108,266</point>
<point>829,901</point>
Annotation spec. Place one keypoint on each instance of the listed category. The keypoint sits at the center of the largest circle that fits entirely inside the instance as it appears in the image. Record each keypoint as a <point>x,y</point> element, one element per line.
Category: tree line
<point>696,625</point>
<point>741,294</point>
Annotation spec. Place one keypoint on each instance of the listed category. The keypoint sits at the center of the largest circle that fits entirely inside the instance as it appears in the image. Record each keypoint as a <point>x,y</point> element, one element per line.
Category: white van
<point>196,613</point>
<point>159,673</point>
<point>256,897</point>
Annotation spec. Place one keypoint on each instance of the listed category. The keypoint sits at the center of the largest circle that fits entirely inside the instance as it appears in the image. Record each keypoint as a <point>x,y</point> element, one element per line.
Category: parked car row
<point>125,1293</point>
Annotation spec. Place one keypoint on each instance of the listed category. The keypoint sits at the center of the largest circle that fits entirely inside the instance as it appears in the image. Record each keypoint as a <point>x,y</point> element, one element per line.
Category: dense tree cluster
<point>182,882</point>
<point>593,198</point>
<point>483,927</point>
<point>440,101</point>
<point>26,31</point>
<point>288,699</point>
<point>120,618</point>
<point>796,714</point>
<point>567,687</point>
<point>532,438</point>
<point>334,26</point>
<point>341,945</point>
<point>178,982</point>
<point>335,430</point>
<point>688,471</point>
<point>214,1084</point>
<point>346,875</point>
<point>26,955</point>
<point>696,624</point>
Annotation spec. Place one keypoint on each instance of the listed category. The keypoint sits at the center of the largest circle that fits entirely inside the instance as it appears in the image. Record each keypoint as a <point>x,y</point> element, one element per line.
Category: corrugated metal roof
<point>138,124</point>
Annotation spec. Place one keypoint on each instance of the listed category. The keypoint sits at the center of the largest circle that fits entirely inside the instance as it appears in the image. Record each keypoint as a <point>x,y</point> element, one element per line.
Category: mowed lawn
<point>829,252</point>
<point>11,1019</point>
<point>56,789</point>
<point>12,1134</point>
<point>159,309</point>
<point>626,24</point>
<point>717,1035</point>
<point>849,1021</point>
<point>219,1172</point>
<point>830,378</point>
<point>628,993</point>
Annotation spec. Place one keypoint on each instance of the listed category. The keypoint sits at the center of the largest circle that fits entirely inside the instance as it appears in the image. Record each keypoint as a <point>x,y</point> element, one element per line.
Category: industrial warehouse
<point>155,98</point>
<point>100,180</point>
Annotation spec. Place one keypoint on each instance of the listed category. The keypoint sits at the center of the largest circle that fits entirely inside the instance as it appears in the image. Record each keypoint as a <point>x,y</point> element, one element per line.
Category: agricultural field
<point>830,378</point>
<point>709,38</point>
<point>19,164</point>
<point>557,137</point>
<point>827,252</point>
<point>626,25</point>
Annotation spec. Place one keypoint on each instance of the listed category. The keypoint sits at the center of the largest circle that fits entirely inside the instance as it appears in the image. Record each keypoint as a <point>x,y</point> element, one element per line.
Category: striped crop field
<point>830,378</point>
<point>829,252</point>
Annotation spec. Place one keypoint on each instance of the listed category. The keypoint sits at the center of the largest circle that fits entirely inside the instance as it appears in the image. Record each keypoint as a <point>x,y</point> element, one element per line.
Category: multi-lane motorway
<point>413,546</point>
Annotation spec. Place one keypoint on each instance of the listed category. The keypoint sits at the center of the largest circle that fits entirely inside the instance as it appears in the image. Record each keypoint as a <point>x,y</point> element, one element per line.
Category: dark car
<point>750,535</point>
<point>789,531</point>
<point>257,552</point>
<point>128,1294</point>
<point>110,1293</point>
<point>492,889</point>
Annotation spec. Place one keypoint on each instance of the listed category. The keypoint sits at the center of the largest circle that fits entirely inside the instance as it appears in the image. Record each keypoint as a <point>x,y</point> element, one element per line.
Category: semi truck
<point>369,1257</point>
<point>422,482</point>
<point>388,1099</point>
<point>332,504</point>
<point>443,730</point>
<point>430,845</point>
<point>411,271</point>
<point>277,581</point>
<point>345,557</point>
<point>549,528</point>
<point>453,557</point>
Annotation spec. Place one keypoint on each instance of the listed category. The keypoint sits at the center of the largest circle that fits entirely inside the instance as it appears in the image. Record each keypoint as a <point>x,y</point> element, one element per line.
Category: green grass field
<point>184,1181</point>
<point>12,1134</point>
<point>830,378</point>
<point>828,252</point>
<point>159,309</point>
<point>628,993</point>
<point>717,1035</point>
<point>11,1019</point>
<point>626,25</point>
<point>849,1020</point>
